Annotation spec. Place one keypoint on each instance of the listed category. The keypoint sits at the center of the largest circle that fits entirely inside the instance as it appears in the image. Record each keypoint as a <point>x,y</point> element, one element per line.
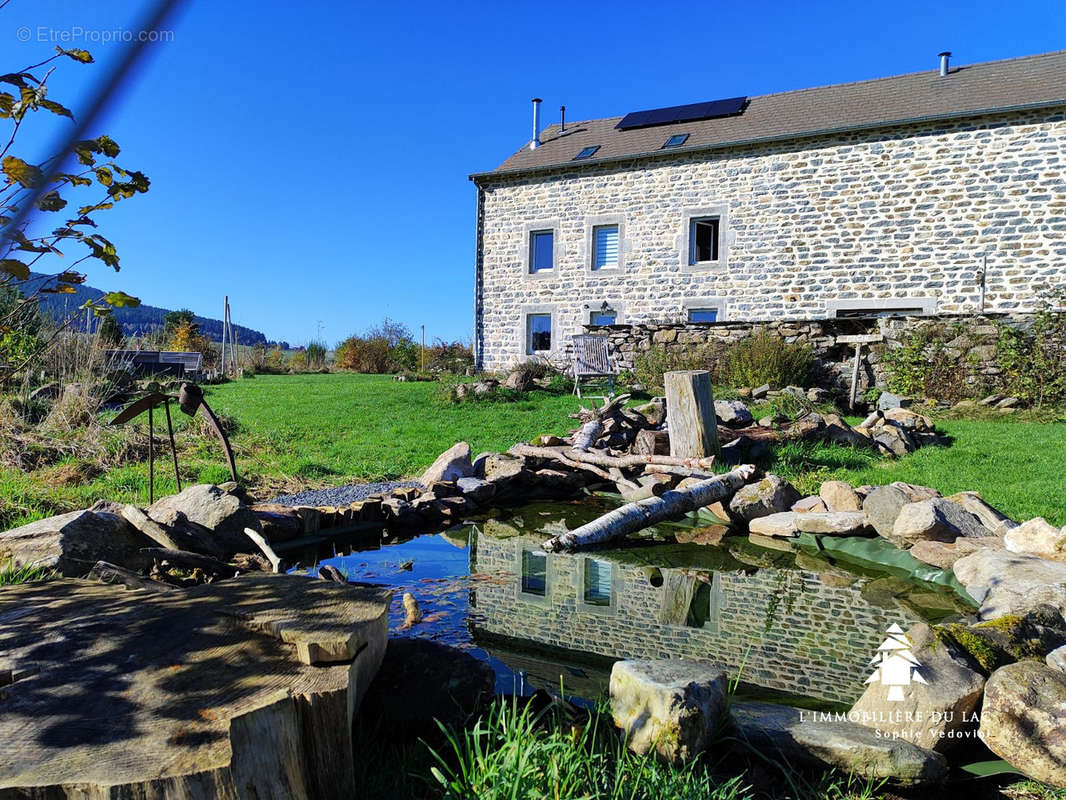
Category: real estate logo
<point>896,665</point>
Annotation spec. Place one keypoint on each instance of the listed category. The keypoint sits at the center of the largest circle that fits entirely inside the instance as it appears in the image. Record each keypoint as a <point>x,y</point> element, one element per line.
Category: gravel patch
<point>340,495</point>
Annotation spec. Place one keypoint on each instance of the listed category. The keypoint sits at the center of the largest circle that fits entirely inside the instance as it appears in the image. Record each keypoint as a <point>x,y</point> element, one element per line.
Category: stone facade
<point>971,340</point>
<point>789,629</point>
<point>950,217</point>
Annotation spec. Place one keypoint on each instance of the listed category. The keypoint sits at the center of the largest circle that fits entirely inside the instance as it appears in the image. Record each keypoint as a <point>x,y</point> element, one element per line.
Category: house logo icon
<point>896,665</point>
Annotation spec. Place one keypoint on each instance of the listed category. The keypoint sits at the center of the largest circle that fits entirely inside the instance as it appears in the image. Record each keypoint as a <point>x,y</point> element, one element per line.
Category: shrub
<point>455,357</point>
<point>649,366</point>
<point>923,366</point>
<point>1034,361</point>
<point>316,355</point>
<point>387,347</point>
<point>767,358</point>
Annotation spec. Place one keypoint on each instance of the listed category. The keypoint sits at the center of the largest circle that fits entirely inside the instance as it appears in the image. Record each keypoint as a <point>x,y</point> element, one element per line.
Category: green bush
<point>767,358</point>
<point>924,366</point>
<point>1034,361</point>
<point>649,366</point>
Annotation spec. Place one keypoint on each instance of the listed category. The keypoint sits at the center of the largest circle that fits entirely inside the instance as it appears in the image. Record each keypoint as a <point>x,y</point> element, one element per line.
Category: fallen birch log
<point>633,517</point>
<point>264,545</point>
<point>604,460</point>
<point>683,472</point>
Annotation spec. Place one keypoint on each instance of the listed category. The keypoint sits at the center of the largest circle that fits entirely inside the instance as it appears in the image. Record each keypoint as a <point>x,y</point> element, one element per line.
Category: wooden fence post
<point>690,414</point>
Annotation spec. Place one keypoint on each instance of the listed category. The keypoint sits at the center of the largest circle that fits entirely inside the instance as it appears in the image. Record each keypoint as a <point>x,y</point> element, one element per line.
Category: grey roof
<point>993,86</point>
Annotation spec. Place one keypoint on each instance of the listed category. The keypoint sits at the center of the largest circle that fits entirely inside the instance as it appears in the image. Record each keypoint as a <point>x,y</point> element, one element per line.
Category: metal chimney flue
<point>562,118</point>
<point>944,62</point>
<point>535,142</point>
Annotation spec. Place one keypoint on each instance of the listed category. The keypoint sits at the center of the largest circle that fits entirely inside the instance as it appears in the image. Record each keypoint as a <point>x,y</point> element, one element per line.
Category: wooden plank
<point>860,338</point>
<point>690,414</point>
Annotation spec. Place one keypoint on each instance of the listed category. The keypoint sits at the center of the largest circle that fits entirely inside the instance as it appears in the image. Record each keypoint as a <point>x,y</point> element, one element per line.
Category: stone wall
<point>907,217</point>
<point>818,643</point>
<point>972,341</point>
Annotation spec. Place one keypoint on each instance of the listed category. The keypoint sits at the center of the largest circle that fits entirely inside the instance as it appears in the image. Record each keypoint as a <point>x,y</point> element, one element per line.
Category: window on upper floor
<point>703,315</point>
<point>703,239</point>
<point>605,247</point>
<point>538,333</point>
<point>541,250</point>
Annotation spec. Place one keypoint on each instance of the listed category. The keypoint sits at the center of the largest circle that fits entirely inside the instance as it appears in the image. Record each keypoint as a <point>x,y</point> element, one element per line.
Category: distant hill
<point>135,321</point>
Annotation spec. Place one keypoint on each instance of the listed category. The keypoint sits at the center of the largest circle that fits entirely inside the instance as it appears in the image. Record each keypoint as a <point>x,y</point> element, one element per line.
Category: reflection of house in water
<point>802,628</point>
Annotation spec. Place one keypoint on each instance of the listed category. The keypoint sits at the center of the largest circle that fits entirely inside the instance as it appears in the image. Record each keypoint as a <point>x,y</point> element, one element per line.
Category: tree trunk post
<point>690,414</point>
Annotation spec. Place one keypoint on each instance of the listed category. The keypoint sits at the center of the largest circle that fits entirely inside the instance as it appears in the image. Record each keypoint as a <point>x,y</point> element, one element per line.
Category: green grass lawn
<point>295,431</point>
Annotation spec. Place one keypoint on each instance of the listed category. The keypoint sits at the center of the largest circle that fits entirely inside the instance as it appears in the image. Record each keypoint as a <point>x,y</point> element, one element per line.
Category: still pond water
<point>799,622</point>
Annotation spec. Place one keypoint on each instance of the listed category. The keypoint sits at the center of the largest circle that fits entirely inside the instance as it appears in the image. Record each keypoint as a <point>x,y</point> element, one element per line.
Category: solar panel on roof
<point>687,113</point>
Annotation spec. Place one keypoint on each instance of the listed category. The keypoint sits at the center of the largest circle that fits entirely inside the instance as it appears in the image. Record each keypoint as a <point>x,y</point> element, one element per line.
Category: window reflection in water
<point>534,572</point>
<point>597,586</point>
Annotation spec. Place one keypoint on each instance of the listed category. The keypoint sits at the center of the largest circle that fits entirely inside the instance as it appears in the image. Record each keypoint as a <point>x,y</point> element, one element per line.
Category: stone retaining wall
<point>972,341</point>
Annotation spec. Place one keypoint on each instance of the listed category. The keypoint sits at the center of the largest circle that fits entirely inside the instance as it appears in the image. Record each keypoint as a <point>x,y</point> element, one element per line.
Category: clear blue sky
<point>310,159</point>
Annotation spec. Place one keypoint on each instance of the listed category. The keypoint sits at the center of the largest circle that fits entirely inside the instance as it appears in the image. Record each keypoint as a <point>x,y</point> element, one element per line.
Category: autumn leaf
<point>51,201</point>
<point>56,108</point>
<point>83,56</point>
<point>61,288</point>
<point>18,170</point>
<point>120,300</point>
<point>15,268</point>
<point>70,277</point>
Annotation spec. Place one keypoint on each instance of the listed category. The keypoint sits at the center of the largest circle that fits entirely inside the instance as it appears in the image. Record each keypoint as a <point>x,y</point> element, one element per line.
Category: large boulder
<point>451,465</point>
<point>732,413</point>
<point>945,554</point>
<point>992,518</point>
<point>1011,583</point>
<point>934,520</point>
<point>996,643</point>
<point>834,523</point>
<point>72,543</point>
<point>771,495</point>
<point>796,736</point>
<point>1039,537</point>
<point>1024,717</point>
<point>941,707</point>
<point>217,510</point>
<point>670,706</point>
<point>839,496</point>
<point>883,504</point>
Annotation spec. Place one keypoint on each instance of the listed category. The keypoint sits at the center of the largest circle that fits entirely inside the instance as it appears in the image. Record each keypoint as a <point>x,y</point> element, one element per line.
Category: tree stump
<point>652,443</point>
<point>241,689</point>
<point>690,414</point>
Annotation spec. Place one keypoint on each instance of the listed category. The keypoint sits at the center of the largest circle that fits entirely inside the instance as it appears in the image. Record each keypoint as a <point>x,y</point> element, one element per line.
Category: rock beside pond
<point>808,505</point>
<point>771,495</point>
<point>834,523</point>
<point>1023,719</point>
<point>839,496</point>
<point>945,554</point>
<point>992,518</point>
<point>671,707</point>
<point>798,736</point>
<point>996,643</point>
<point>1056,659</point>
<point>1039,537</point>
<point>451,465</point>
<point>1011,583</point>
<point>217,510</point>
<point>934,520</point>
<point>884,503</point>
<point>940,708</point>
<point>72,543</point>
<point>476,489</point>
<point>780,524</point>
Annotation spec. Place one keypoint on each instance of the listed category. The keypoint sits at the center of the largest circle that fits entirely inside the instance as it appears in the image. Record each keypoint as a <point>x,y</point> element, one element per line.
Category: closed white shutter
<point>606,244</point>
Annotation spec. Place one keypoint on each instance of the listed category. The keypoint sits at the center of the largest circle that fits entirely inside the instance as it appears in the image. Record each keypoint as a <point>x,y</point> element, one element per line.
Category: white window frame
<point>692,215</point>
<point>880,306</point>
<point>617,306</point>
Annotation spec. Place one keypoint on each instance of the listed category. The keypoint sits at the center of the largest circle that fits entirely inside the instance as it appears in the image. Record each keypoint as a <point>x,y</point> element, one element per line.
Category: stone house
<point>938,192</point>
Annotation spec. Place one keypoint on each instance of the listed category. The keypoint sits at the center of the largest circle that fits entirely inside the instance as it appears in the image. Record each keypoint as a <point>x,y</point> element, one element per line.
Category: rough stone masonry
<point>904,218</point>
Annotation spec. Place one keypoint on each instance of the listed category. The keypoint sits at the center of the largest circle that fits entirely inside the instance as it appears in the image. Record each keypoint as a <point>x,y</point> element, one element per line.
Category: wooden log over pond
<point>242,688</point>
<point>634,517</point>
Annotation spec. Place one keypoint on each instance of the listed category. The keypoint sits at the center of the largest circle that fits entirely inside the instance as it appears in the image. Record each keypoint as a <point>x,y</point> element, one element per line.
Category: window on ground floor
<point>597,583</point>
<point>538,333</point>
<point>603,316</point>
<point>881,307</point>
<point>703,315</point>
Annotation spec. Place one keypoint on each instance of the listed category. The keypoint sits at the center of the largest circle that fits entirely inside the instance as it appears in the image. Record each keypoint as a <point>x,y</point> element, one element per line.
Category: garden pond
<point>797,620</point>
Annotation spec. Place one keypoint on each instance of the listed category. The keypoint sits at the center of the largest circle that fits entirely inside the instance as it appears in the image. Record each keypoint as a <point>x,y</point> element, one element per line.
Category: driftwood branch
<point>185,538</point>
<point>110,573</point>
<point>264,545</point>
<point>633,517</point>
